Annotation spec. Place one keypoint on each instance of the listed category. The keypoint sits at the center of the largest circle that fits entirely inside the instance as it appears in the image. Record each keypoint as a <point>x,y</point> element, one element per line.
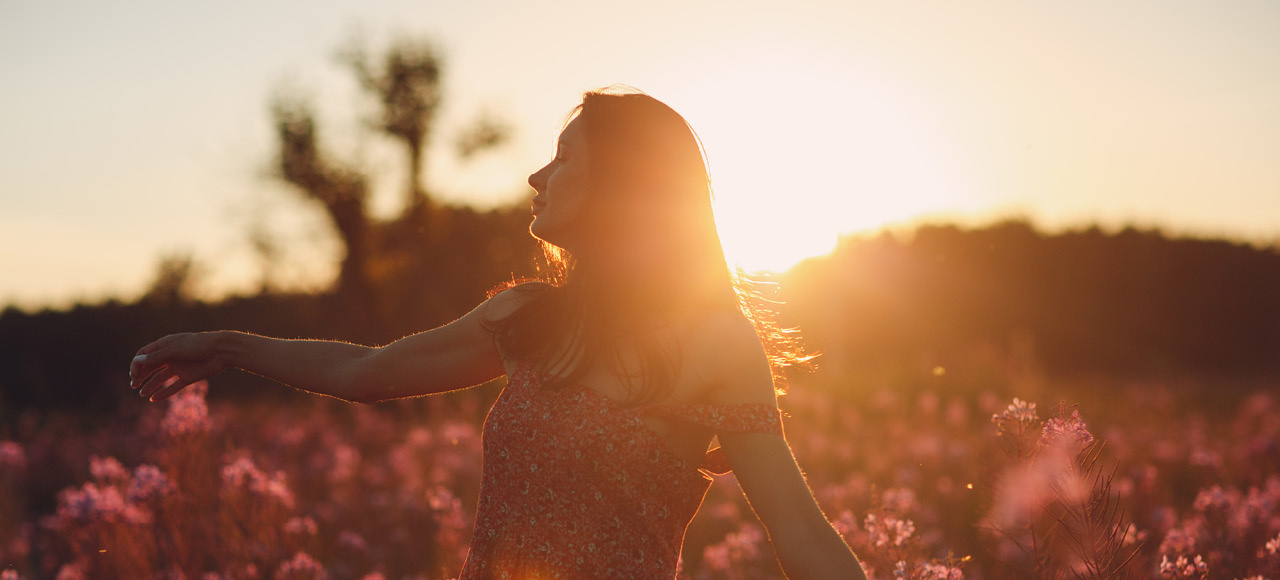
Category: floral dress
<point>575,485</point>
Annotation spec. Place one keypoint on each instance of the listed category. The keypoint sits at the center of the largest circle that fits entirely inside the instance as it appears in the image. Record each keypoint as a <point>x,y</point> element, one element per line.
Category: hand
<point>170,364</point>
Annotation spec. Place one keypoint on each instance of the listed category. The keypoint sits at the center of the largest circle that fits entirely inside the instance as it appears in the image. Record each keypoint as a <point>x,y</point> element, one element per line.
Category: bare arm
<point>806,544</point>
<point>454,356</point>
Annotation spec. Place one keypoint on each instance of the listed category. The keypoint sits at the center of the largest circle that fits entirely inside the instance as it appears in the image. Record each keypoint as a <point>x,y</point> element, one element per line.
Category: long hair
<point>651,253</point>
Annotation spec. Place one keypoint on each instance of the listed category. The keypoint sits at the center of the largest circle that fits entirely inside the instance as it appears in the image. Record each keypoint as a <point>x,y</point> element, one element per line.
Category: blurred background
<point>1101,179</point>
<point>1048,199</point>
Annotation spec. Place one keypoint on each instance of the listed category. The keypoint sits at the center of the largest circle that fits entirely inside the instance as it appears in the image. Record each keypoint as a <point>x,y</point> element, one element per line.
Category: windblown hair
<point>651,253</point>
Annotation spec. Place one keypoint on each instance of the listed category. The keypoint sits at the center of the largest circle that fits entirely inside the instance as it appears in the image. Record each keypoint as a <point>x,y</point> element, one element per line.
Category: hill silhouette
<point>1132,302</point>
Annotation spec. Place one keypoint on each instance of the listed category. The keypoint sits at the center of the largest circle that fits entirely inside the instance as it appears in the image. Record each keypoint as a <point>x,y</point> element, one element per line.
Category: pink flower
<point>72,571</point>
<point>899,500</point>
<point>844,523</point>
<point>107,469</point>
<point>1180,540</point>
<point>941,572</point>
<point>1020,413</point>
<point>91,503</point>
<point>1024,490</point>
<point>12,456</point>
<point>187,412</point>
<point>350,540</point>
<point>884,531</point>
<point>346,462</point>
<point>243,473</point>
<point>1215,499</point>
<point>301,526</point>
<point>148,482</point>
<point>1066,430</point>
<point>300,567</point>
<point>1182,568</point>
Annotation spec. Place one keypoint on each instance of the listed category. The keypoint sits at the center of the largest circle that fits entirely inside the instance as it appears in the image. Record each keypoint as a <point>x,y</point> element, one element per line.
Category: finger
<point>168,391</point>
<point>137,372</point>
<point>162,377</point>
<point>143,369</point>
<point>149,356</point>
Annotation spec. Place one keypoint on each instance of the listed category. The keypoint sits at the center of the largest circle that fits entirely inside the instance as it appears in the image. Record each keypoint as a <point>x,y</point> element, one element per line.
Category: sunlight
<point>810,155</point>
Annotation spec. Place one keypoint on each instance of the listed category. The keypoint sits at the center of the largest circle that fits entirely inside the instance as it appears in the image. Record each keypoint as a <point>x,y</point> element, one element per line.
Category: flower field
<point>930,479</point>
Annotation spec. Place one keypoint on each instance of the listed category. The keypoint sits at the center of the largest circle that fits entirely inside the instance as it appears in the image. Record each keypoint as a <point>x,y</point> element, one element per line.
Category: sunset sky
<point>132,130</point>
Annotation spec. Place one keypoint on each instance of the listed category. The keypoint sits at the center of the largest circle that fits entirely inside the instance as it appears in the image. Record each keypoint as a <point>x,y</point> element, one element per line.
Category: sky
<point>136,130</point>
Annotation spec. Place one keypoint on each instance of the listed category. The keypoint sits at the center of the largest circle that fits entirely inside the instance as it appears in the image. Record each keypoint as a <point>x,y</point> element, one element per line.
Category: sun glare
<point>809,156</point>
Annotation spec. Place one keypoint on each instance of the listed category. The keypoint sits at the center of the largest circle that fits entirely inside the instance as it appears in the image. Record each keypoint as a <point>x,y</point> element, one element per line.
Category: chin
<point>550,235</point>
<point>539,230</point>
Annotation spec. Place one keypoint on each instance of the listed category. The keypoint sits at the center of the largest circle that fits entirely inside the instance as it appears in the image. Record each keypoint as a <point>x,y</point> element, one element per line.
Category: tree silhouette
<point>341,191</point>
<point>389,268</point>
<point>407,88</point>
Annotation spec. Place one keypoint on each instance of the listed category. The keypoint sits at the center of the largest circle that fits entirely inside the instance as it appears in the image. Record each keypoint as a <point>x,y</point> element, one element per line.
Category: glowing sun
<point>809,156</point>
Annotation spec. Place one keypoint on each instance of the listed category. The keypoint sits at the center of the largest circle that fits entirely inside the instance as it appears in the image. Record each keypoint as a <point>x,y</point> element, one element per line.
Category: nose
<point>538,179</point>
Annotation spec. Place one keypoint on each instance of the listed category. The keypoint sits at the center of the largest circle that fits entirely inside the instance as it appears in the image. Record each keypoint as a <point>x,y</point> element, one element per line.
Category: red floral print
<point>576,485</point>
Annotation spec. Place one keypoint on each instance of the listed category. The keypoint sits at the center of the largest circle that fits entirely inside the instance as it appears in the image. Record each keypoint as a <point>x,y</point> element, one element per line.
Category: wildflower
<point>888,530</point>
<point>1183,568</point>
<point>242,472</point>
<point>148,482</point>
<point>187,412</point>
<point>1026,488</point>
<point>107,469</point>
<point>72,571</point>
<point>1215,499</point>
<point>899,500</point>
<point>350,540</point>
<point>1020,413</point>
<point>844,523</point>
<point>1205,457</point>
<point>12,456</point>
<point>301,526</point>
<point>300,567</point>
<point>1182,539</point>
<point>941,572</point>
<point>10,575</point>
<point>98,503</point>
<point>346,462</point>
<point>735,551</point>
<point>900,570</point>
<point>1066,430</point>
<point>1273,546</point>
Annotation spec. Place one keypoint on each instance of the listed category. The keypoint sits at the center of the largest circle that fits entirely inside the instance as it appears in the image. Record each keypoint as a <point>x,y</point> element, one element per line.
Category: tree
<point>342,192</point>
<point>407,87</point>
<point>387,267</point>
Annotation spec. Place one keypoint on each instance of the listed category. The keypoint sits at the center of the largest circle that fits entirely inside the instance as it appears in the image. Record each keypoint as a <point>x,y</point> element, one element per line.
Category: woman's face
<point>561,190</point>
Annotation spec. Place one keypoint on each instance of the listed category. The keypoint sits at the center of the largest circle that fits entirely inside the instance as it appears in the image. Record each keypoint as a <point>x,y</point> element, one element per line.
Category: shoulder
<point>507,301</point>
<point>728,352</point>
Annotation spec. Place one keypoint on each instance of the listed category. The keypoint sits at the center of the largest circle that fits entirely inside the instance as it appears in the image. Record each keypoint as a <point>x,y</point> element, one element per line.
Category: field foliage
<point>943,478</point>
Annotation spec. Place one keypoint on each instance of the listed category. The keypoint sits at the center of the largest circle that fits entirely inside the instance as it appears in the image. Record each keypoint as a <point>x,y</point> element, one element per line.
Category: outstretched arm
<point>454,356</point>
<point>806,544</point>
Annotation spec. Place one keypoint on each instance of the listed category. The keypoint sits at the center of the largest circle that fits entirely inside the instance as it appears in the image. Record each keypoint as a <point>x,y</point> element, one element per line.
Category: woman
<point>633,352</point>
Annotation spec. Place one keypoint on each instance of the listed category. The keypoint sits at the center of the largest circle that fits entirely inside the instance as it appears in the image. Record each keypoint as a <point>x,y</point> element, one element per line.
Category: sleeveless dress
<point>575,485</point>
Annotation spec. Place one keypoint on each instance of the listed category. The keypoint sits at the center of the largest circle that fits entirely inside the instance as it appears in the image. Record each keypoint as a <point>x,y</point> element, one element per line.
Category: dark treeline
<point>1132,303</point>
<point>78,358</point>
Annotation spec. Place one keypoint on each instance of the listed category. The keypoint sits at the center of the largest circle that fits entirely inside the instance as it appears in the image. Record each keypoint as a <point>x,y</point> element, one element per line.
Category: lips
<point>537,205</point>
